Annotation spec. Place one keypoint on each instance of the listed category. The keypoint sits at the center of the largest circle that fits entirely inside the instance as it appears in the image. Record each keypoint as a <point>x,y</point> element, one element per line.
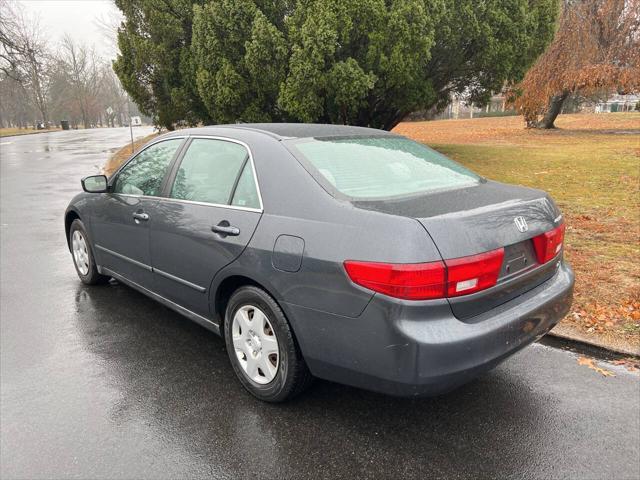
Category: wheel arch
<point>69,217</point>
<point>225,288</point>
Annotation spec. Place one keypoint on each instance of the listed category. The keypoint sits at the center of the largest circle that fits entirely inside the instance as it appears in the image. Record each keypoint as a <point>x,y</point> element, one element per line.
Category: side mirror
<point>94,184</point>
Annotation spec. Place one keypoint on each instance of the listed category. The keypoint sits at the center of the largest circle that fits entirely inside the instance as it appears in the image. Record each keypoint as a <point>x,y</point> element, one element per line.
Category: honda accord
<point>344,253</point>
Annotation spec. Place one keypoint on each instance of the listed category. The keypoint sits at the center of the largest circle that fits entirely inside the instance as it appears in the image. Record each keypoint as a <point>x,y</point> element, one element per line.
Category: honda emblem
<point>521,224</point>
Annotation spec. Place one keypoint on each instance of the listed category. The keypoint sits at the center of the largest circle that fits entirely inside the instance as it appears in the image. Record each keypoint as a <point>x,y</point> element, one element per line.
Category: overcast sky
<point>78,18</point>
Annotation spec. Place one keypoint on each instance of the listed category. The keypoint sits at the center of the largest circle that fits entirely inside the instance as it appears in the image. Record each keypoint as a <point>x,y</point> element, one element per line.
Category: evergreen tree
<point>361,62</point>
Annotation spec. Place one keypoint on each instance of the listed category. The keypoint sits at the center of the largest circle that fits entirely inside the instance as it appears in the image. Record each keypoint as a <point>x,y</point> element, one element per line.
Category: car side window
<point>143,175</point>
<point>209,170</point>
<point>246,194</point>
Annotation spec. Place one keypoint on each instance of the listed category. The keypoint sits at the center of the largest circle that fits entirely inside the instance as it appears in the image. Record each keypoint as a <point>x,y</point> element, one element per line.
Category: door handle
<point>141,216</point>
<point>224,229</point>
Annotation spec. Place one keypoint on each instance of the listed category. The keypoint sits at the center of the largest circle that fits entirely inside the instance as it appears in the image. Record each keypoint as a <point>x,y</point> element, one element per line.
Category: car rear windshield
<point>371,168</point>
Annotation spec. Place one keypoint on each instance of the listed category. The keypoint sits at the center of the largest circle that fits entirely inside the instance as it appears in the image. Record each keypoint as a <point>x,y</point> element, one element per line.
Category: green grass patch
<point>596,176</point>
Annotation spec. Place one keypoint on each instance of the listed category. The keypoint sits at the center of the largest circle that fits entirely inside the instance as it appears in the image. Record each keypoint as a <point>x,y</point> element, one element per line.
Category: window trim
<point>178,162</point>
<point>237,180</point>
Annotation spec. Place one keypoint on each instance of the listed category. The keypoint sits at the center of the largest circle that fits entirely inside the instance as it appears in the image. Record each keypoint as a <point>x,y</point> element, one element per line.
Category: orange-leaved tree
<point>596,47</point>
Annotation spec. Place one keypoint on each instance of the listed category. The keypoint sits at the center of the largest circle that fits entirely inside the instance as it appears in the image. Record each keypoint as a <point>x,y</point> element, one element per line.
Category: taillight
<point>415,281</point>
<point>424,281</point>
<point>471,274</point>
<point>548,244</point>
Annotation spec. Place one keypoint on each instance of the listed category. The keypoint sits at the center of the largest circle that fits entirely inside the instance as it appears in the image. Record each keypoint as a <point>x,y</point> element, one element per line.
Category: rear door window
<point>210,171</point>
<point>246,194</point>
<point>370,168</point>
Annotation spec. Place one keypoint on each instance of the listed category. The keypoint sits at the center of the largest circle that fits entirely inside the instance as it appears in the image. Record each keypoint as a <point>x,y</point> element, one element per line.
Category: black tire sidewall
<point>279,388</point>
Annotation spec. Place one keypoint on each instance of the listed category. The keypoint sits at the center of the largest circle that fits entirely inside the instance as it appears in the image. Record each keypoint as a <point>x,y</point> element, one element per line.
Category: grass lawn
<point>9,132</point>
<point>591,167</point>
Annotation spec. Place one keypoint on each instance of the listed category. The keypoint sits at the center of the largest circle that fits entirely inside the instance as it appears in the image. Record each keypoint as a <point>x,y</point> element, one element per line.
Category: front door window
<point>144,174</point>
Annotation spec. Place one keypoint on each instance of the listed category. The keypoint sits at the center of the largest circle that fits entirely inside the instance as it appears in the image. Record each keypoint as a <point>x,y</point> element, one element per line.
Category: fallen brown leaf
<point>589,362</point>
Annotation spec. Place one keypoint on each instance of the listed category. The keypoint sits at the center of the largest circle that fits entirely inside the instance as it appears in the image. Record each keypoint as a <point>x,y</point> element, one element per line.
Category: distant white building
<point>618,103</point>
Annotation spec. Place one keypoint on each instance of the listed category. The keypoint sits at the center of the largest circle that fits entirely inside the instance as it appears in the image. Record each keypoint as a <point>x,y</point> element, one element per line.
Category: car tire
<point>290,374</point>
<point>82,254</point>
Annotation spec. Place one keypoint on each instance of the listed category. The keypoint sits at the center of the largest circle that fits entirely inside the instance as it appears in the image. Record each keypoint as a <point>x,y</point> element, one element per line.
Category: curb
<point>624,348</point>
<point>583,347</point>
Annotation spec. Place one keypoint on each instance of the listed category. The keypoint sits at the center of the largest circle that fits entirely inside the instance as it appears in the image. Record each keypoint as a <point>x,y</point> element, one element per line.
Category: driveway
<point>103,382</point>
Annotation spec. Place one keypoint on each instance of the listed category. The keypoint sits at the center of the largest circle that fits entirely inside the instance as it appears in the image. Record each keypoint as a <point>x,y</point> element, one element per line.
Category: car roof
<point>292,130</point>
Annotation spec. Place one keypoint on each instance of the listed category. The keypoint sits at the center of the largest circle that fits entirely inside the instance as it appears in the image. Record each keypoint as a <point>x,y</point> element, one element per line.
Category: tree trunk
<point>553,110</point>
<point>394,120</point>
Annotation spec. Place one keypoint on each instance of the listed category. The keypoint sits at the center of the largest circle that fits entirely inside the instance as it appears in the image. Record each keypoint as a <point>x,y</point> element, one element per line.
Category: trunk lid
<point>478,219</point>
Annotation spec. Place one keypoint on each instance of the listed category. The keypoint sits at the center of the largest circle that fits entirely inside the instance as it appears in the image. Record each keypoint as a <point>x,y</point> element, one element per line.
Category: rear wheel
<point>82,254</point>
<point>261,347</point>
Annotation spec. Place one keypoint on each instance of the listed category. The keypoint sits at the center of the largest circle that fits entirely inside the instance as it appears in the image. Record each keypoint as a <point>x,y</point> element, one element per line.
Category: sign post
<point>130,122</point>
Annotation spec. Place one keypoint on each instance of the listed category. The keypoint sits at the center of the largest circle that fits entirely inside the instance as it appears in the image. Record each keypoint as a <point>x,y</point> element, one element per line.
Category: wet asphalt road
<point>101,382</point>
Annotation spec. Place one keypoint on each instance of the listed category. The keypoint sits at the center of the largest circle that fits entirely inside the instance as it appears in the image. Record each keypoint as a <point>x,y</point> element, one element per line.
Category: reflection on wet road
<point>103,382</point>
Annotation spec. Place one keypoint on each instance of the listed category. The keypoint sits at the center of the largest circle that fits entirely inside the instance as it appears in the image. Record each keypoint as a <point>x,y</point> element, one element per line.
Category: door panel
<point>122,242</point>
<point>186,253</point>
<point>121,225</point>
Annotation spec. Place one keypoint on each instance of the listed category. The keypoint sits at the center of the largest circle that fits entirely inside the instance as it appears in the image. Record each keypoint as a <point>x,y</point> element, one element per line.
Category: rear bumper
<point>420,348</point>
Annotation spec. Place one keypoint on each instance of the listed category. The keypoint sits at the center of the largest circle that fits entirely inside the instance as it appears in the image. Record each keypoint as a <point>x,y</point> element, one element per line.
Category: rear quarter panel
<point>333,231</point>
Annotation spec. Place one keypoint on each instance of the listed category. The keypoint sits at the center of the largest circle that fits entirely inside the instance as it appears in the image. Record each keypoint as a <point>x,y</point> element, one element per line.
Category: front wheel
<point>261,347</point>
<point>82,254</point>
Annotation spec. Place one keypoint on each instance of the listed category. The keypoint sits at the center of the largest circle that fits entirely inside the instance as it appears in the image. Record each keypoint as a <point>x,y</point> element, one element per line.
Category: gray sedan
<point>345,253</point>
